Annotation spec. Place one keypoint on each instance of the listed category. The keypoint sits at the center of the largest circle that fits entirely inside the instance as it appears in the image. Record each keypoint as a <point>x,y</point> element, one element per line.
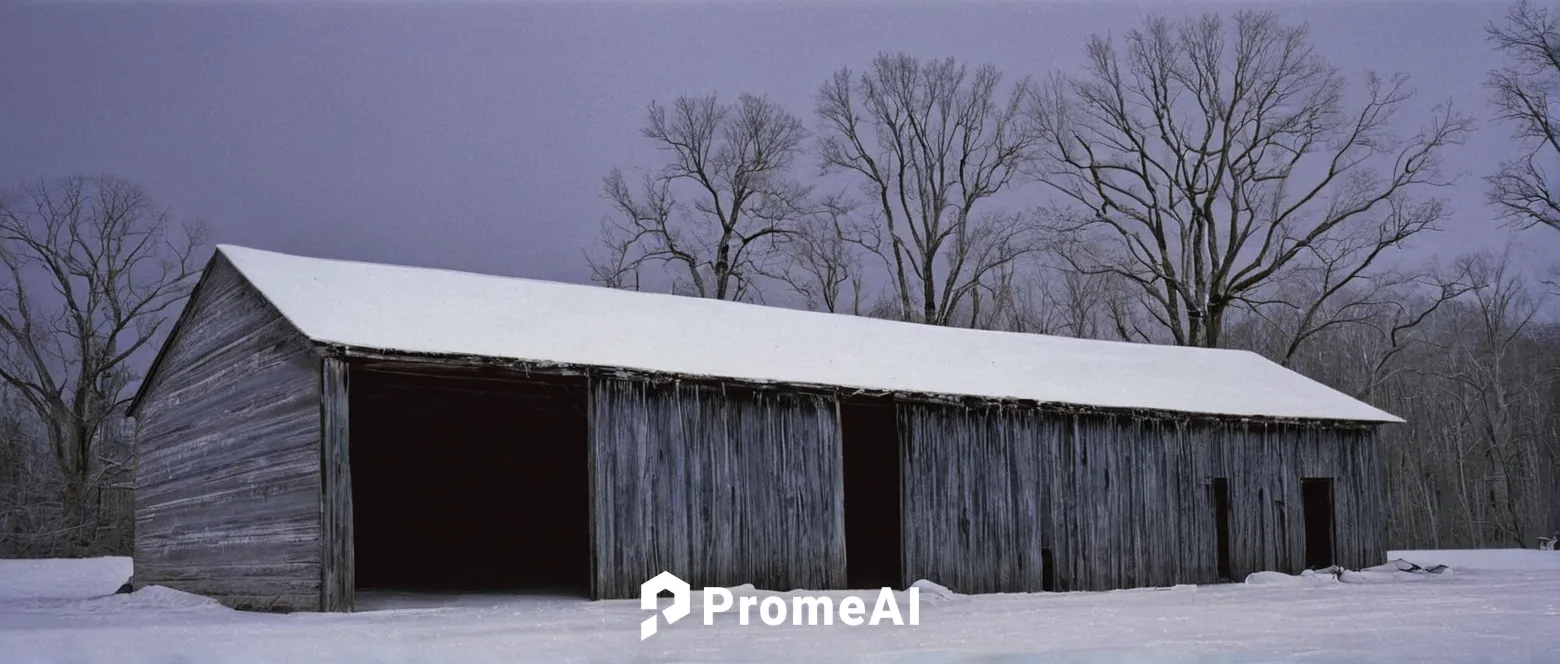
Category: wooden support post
<point>338,589</point>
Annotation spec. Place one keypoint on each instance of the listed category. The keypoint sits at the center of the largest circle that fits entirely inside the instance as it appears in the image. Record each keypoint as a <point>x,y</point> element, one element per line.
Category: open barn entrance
<point>1316,494</point>
<point>869,433</point>
<point>475,482</point>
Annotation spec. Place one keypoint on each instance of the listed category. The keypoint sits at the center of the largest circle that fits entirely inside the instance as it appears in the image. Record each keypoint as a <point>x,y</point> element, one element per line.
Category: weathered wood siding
<point>336,550</point>
<point>974,486</point>
<point>720,488</point>
<point>1121,501</point>
<point>228,476</point>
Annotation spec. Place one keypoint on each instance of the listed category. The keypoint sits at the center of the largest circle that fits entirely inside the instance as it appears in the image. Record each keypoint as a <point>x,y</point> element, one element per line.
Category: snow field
<point>1492,606</point>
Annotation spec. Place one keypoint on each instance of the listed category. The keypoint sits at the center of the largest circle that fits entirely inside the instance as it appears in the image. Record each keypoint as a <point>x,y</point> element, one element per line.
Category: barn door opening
<point>1048,570</point>
<point>869,433</point>
<point>1316,494</point>
<point>1221,525</point>
<point>469,482</point>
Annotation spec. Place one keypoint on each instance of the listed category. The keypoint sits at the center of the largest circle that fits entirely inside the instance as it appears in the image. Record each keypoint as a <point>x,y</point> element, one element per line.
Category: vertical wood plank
<point>592,483</point>
<point>339,586</point>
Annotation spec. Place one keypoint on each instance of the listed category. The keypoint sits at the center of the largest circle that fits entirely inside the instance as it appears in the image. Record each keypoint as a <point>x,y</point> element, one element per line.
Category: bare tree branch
<point>1523,189</point>
<point>715,213</point>
<point>1206,161</point>
<point>93,267</point>
<point>931,142</point>
<point>825,258</point>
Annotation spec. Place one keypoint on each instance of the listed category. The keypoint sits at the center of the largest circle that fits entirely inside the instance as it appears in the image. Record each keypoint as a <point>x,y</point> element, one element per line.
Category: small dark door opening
<point>1316,494</point>
<point>869,432</point>
<point>1048,574</point>
<point>476,482</point>
<point>1221,525</point>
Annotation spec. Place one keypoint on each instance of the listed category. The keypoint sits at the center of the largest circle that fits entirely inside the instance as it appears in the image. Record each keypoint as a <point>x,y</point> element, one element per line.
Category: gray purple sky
<point>474,136</point>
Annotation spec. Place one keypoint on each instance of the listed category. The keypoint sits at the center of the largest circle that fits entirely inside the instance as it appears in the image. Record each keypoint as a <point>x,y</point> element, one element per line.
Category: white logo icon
<point>649,591</point>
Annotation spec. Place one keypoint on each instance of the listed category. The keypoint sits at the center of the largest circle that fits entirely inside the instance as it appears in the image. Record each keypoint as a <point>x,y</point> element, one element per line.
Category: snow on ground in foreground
<point>1486,559</point>
<point>1495,606</point>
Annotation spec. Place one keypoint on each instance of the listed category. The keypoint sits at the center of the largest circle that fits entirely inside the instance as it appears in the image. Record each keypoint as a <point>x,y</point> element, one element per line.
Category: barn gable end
<point>228,498</point>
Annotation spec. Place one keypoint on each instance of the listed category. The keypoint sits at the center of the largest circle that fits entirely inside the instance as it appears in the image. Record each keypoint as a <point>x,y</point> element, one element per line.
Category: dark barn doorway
<point>469,483</point>
<point>869,435</point>
<point>1221,526</point>
<point>1316,495</point>
<point>1047,570</point>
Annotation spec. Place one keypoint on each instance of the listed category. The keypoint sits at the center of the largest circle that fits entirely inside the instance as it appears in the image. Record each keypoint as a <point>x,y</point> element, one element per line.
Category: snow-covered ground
<point>1492,606</point>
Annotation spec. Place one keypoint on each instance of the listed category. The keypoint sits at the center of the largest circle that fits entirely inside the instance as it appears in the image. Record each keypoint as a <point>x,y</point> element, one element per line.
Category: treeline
<point>1478,463</point>
<point>92,271</point>
<point>1209,182</point>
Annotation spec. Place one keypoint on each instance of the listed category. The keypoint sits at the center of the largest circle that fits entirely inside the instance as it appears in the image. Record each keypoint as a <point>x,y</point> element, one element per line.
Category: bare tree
<point>1476,378</point>
<point>931,143</point>
<point>824,258</point>
<point>1083,302</point>
<point>1319,297</point>
<point>15,476</point>
<point>714,213</point>
<point>1490,386</point>
<point>1205,164</point>
<point>1046,298</point>
<point>998,299</point>
<point>93,267</point>
<point>1523,189</point>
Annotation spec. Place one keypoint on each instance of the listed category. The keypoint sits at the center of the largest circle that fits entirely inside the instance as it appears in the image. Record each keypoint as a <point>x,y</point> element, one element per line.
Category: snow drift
<point>1393,570</point>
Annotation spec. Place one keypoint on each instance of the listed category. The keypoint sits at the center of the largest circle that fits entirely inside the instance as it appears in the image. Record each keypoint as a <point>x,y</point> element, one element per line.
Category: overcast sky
<point>474,136</point>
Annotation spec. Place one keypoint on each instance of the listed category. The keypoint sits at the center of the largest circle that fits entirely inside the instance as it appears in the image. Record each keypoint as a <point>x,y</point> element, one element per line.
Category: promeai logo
<point>819,610</point>
<point>650,590</point>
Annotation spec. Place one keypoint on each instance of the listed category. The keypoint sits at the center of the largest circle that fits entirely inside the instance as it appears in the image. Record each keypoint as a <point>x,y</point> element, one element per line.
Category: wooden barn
<point>314,428</point>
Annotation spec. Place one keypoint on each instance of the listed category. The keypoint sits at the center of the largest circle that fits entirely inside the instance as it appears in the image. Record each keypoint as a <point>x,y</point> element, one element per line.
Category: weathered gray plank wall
<point>1121,501</point>
<point>975,485</point>
<point>720,488</point>
<point>1268,523</point>
<point>228,470</point>
<point>339,592</point>
<point>1134,502</point>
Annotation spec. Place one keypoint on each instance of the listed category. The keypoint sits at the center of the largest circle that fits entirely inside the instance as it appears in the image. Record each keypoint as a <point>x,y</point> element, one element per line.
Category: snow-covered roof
<point>433,311</point>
